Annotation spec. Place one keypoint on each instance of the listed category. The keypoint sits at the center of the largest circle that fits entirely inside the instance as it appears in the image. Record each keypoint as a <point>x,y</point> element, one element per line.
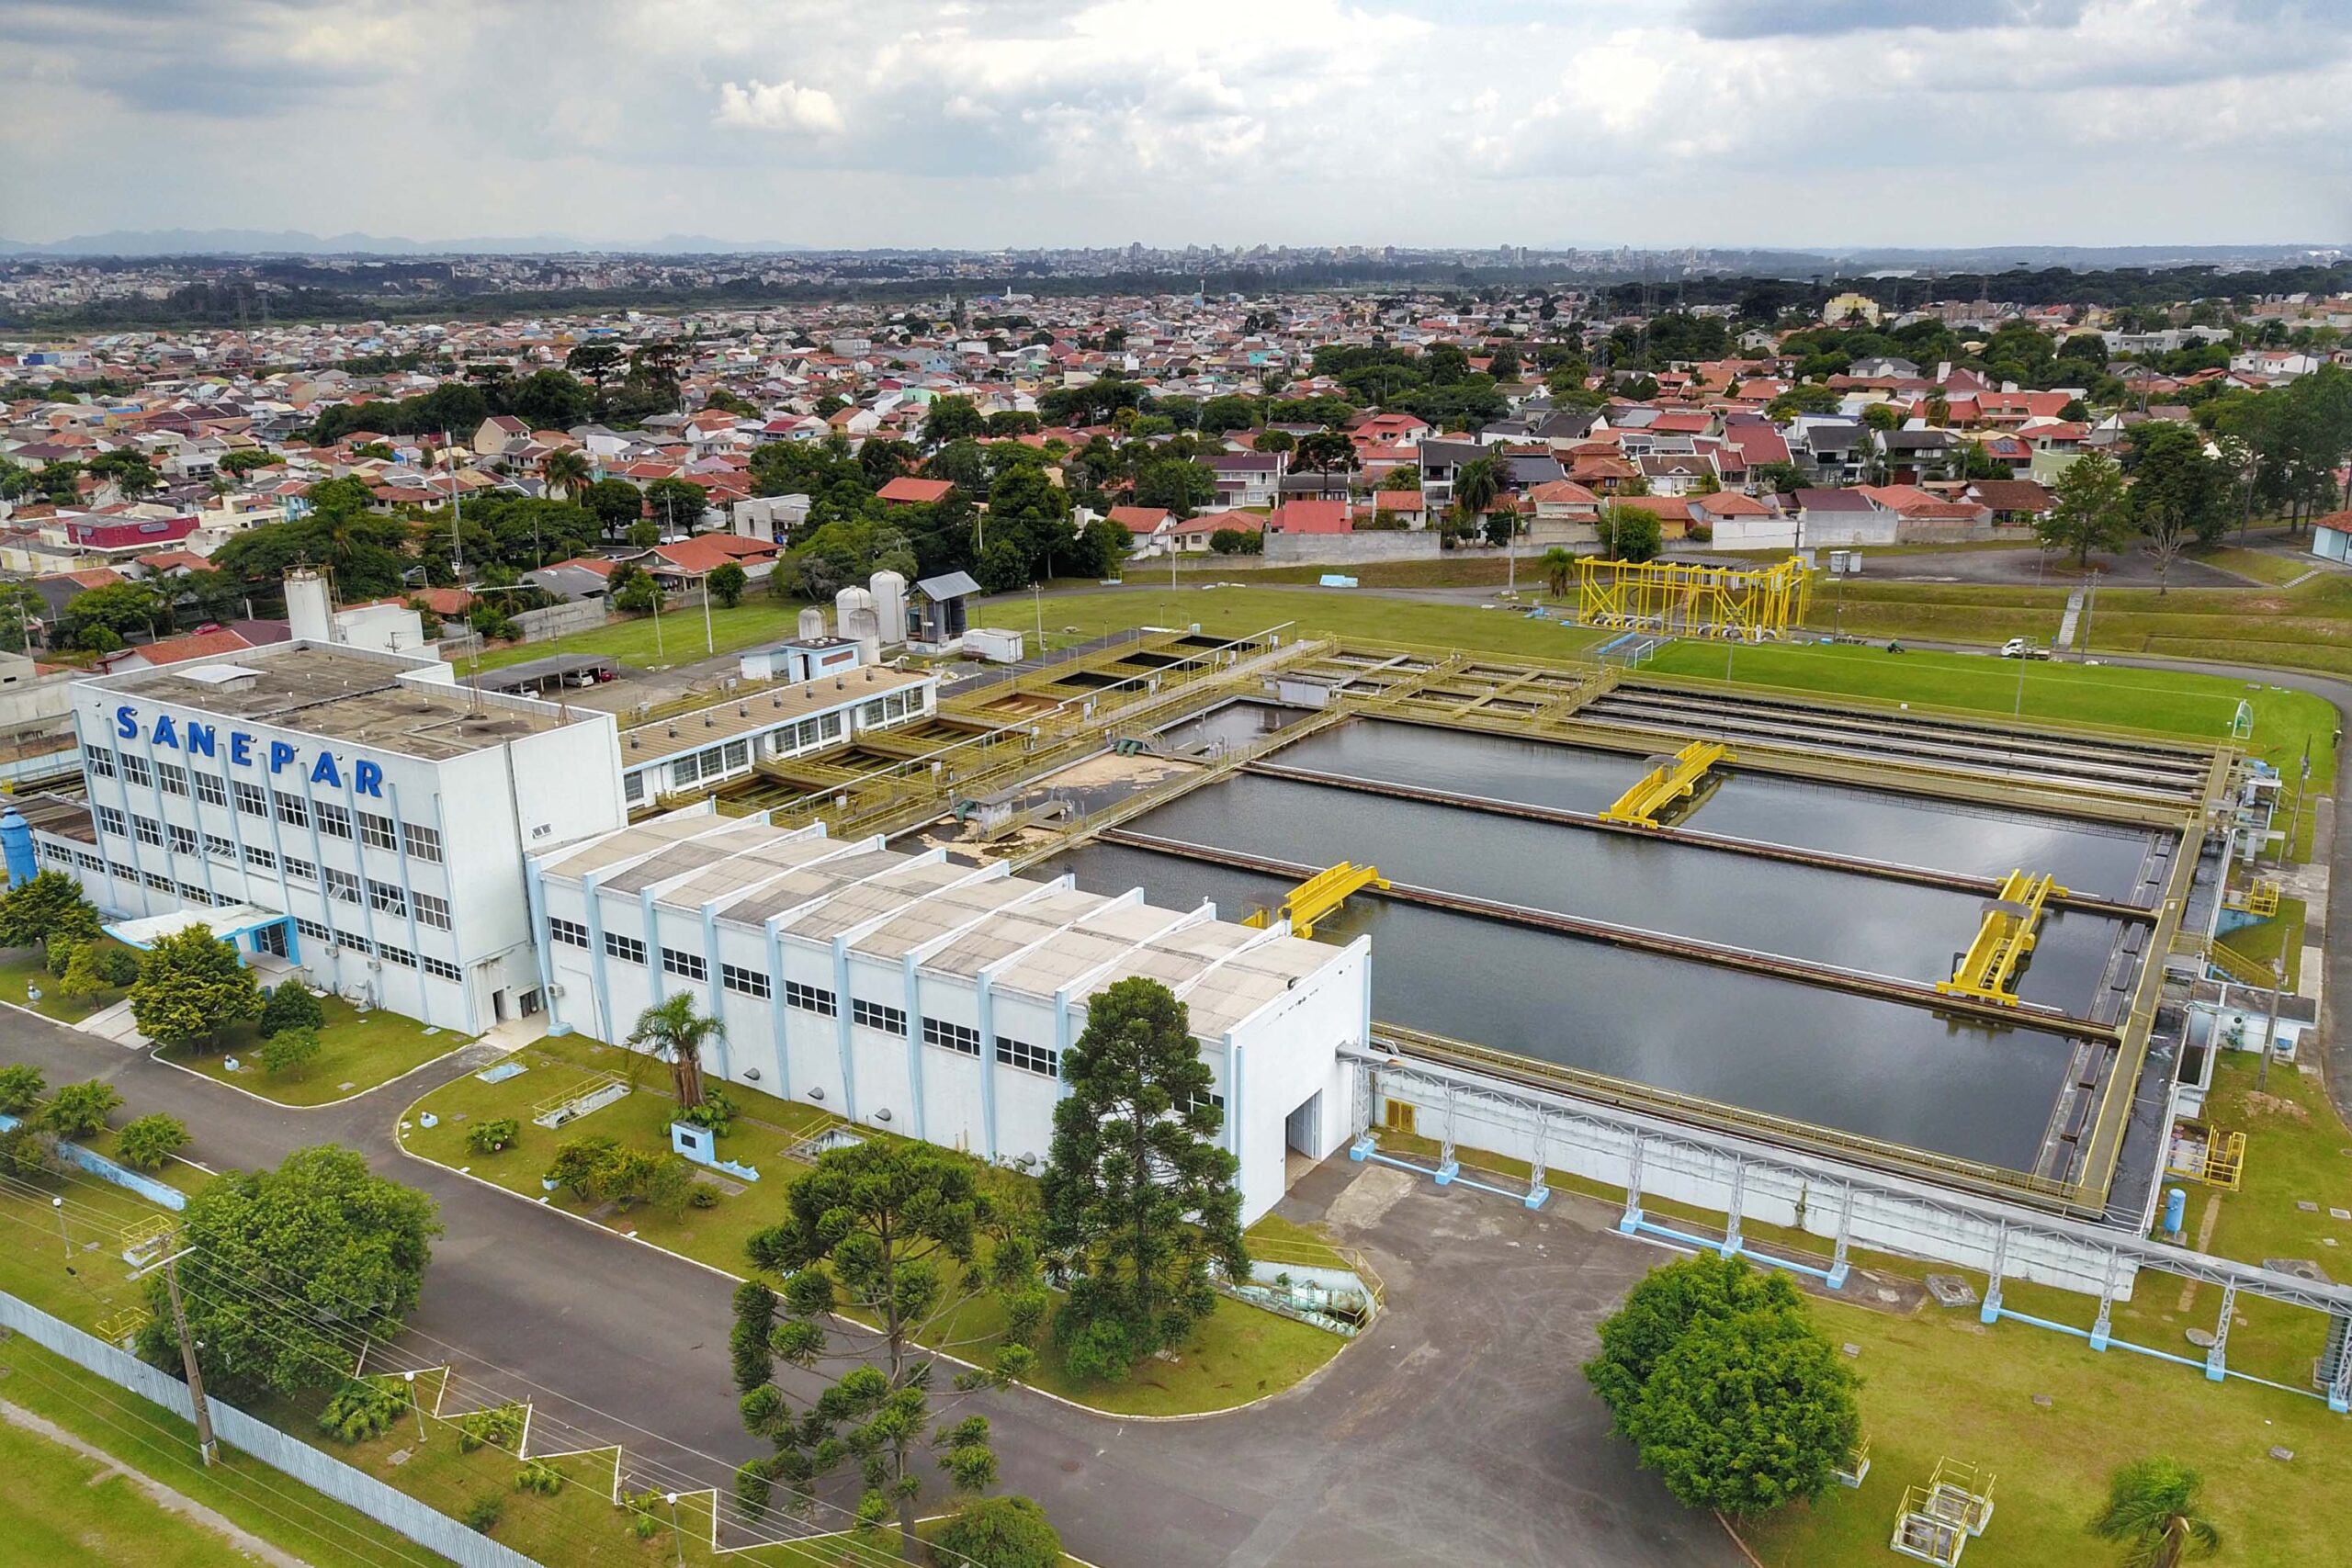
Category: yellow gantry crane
<point>1673,779</point>
<point>1988,969</point>
<point>1672,598</point>
<point>1318,896</point>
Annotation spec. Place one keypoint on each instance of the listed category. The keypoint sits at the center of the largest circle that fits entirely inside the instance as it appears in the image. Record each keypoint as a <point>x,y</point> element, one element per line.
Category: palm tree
<point>1558,563</point>
<point>1477,484</point>
<point>566,469</point>
<point>2153,1508</point>
<point>675,1034</point>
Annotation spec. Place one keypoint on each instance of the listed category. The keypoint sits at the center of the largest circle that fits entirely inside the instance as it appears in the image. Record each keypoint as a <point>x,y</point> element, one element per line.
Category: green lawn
<point>357,1051</point>
<point>23,971</point>
<point>678,639</point>
<point>1337,613</point>
<point>2280,936</point>
<point>1236,1355</point>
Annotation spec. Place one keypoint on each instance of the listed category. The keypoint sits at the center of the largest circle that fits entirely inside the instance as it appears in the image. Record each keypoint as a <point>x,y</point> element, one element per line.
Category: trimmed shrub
<point>80,1109</point>
<point>482,1514</point>
<point>362,1409</point>
<point>289,1052</point>
<point>291,1006</point>
<point>494,1137</point>
<point>21,1088</point>
<point>1000,1532</point>
<point>539,1478</point>
<point>499,1426</point>
<point>150,1141</point>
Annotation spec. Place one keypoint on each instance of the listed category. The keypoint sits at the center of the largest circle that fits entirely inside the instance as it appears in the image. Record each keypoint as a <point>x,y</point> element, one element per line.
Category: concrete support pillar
<point>1836,1278</point>
<point>1991,1312</point>
<point>1631,1220</point>
<point>1448,1167</point>
<point>1730,1247</point>
<point>1539,1192</point>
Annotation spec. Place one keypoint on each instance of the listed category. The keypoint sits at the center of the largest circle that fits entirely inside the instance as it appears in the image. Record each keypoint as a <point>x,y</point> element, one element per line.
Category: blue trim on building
<point>408,903</point>
<point>776,1009</point>
<point>914,1042</point>
<point>984,989</point>
<point>844,1007</point>
<point>592,902</point>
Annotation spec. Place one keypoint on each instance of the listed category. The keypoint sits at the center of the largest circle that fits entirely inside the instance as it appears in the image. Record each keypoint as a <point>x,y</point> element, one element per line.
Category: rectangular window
<point>627,949</point>
<point>88,862</point>
<point>135,770</point>
<point>400,955</point>
<point>809,998</point>
<point>1027,1057</point>
<point>211,790</point>
<point>955,1036</point>
<point>432,911</point>
<point>293,810</point>
<point>57,855</point>
<point>312,929</point>
<point>739,753</point>
<point>171,780</point>
<point>334,821</point>
<point>874,1015</point>
<point>101,762</point>
<point>689,965</point>
<point>252,799</point>
<point>749,982</point>
<point>356,944</point>
<point>571,933</point>
<point>343,885</point>
<point>220,847</point>
<point>301,870</point>
<point>387,897</point>
<point>109,821</point>
<point>633,788</point>
<point>147,830</point>
<point>440,969</point>
<point>157,880</point>
<point>261,859</point>
<point>424,843</point>
<point>182,838</point>
<point>376,831</point>
<point>191,894</point>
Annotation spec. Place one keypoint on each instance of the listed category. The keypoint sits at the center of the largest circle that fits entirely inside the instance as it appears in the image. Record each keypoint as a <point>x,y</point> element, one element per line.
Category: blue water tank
<point>16,845</point>
<point>2176,1210</point>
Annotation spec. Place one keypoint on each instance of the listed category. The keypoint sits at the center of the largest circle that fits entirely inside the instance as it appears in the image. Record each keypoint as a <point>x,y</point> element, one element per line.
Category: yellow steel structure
<point>2208,1155</point>
<point>1674,778</point>
<point>2262,899</point>
<point>1750,604</point>
<point>1988,969</point>
<point>1318,897</point>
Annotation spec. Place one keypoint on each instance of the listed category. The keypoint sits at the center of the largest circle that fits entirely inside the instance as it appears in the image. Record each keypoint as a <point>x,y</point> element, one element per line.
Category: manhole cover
<point>1951,1291</point>
<point>2201,1337</point>
<point>2301,1268</point>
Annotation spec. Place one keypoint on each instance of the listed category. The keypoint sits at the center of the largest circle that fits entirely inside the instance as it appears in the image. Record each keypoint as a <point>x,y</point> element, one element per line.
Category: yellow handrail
<point>1988,969</point>
<point>1670,780</point>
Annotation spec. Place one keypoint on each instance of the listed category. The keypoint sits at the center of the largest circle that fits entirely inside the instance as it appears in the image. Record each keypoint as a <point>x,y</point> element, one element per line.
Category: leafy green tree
<point>126,609</point>
<point>725,584</point>
<point>614,504</point>
<point>1102,549</point>
<point>1716,1373</point>
<point>1559,564</point>
<point>21,1088</point>
<point>726,401</point>
<point>1630,533</point>
<point>1324,451</point>
<point>145,1142</point>
<point>550,399</point>
<point>599,361</point>
<point>1139,1201</point>
<point>130,472</point>
<point>887,1233</point>
<point>45,908</point>
<point>80,1109</point>
<point>678,504</point>
<point>2089,510</point>
<point>191,987</point>
<point>1806,398</point>
<point>951,419</point>
<point>290,1261</point>
<point>28,1152</point>
<point>2178,490</point>
<point>1180,486</point>
<point>291,1006</point>
<point>2155,1510</point>
<point>21,606</point>
<point>1000,1532</point>
<point>247,459</point>
<point>289,1053</point>
<point>674,1032</point>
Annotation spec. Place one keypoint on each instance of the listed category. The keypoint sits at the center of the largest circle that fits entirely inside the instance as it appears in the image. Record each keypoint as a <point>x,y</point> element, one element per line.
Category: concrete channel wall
<point>1886,1214</point>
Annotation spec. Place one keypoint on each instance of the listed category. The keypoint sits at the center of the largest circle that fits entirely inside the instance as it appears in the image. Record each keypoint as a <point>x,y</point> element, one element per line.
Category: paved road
<point>1462,1420</point>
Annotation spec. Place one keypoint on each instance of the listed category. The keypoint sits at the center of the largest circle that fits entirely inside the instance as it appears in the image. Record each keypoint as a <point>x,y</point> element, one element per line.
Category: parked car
<point>2022,648</point>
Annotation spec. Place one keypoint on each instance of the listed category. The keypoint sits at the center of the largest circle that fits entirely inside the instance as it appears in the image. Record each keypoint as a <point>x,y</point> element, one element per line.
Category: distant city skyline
<point>1819,125</point>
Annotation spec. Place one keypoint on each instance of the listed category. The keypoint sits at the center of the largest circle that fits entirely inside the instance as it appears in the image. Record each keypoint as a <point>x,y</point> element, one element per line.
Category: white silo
<point>309,612</point>
<point>889,592</point>
<point>853,618</point>
<point>812,622</point>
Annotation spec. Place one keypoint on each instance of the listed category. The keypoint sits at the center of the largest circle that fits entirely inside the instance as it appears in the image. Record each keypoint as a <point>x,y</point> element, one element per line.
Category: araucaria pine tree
<point>1139,1199</point>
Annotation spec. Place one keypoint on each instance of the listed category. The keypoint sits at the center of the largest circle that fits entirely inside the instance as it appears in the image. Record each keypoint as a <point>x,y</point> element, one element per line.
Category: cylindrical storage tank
<point>308,614</point>
<point>846,601</point>
<point>859,625</point>
<point>813,621</point>
<point>17,847</point>
<point>889,592</point>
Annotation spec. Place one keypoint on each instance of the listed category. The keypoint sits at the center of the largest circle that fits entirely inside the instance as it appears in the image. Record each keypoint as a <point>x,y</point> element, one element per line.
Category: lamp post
<point>415,1404</point>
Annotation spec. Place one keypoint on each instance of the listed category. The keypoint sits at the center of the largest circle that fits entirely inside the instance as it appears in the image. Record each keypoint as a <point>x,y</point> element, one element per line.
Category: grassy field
<point>2280,936</point>
<point>1335,613</point>
<point>357,1051</point>
<point>1238,1354</point>
<point>63,1508</point>
<point>22,971</point>
<point>677,640</point>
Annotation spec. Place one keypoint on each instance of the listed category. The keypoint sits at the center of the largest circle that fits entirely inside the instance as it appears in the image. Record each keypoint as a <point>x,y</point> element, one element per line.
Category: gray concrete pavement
<point>1463,1420</point>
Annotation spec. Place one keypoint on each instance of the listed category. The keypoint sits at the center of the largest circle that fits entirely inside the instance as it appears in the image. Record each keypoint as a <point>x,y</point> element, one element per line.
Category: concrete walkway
<point>162,1496</point>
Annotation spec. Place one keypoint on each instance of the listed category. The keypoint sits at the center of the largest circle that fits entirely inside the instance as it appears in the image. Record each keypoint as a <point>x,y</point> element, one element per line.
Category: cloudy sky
<point>1040,122</point>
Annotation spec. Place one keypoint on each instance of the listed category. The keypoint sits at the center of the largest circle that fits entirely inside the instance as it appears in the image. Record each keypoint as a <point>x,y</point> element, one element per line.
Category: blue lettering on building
<point>204,739</point>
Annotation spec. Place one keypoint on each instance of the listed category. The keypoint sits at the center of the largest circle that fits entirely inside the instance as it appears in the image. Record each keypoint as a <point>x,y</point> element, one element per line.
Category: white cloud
<point>782,105</point>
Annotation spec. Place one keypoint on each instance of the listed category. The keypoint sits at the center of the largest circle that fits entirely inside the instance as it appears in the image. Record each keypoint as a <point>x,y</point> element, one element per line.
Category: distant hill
<point>296,242</point>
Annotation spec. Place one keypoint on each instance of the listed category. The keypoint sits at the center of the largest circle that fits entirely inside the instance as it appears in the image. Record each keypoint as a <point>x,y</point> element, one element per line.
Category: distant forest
<point>426,290</point>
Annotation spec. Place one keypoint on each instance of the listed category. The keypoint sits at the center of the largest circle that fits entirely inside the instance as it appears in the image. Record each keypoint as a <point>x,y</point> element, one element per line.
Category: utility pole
<point>2295,818</point>
<point>205,1444</point>
<point>2271,1025</point>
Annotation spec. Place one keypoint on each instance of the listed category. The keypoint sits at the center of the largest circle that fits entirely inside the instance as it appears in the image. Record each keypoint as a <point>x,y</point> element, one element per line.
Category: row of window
<point>334,821</point>
<point>711,762</point>
<point>387,897</point>
<point>440,969</point>
<point>877,1015</point>
<point>686,966</point>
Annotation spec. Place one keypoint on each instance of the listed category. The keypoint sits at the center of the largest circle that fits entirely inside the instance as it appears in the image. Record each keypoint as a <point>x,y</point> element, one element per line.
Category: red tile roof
<point>907,488</point>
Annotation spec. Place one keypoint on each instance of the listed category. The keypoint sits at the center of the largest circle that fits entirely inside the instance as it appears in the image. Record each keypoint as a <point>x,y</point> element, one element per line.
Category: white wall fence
<point>322,1473</point>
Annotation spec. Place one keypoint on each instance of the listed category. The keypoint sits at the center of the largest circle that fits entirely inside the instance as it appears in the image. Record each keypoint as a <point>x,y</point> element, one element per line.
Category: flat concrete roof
<point>55,814</point>
<point>340,694</point>
<point>766,709</point>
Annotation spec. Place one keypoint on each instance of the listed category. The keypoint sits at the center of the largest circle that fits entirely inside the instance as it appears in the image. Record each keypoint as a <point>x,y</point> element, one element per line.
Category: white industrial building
<point>934,999</point>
